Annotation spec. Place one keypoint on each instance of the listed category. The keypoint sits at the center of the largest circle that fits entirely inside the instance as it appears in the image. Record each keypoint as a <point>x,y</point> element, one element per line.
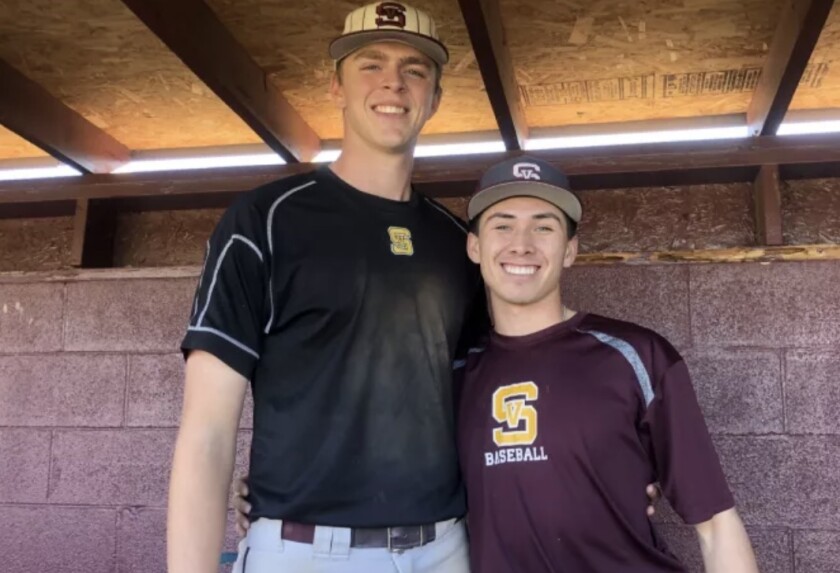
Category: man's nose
<point>393,78</point>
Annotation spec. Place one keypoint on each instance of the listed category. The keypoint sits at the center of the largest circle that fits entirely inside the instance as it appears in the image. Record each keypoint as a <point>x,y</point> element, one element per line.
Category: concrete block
<point>784,481</point>
<point>31,317</point>
<point>779,305</point>
<point>128,315</point>
<point>816,551</point>
<point>156,392</point>
<point>111,467</point>
<point>62,390</point>
<point>653,296</point>
<point>761,473</point>
<point>812,392</point>
<point>739,391</point>
<point>25,456</point>
<point>43,539</point>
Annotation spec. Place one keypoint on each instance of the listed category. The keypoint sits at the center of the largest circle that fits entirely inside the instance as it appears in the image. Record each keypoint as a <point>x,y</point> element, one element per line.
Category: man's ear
<point>473,249</point>
<point>337,91</point>
<point>571,252</point>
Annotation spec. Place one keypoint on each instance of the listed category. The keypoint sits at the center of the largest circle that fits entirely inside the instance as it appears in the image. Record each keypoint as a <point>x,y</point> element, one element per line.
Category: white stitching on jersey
<point>229,338</point>
<point>269,224</point>
<point>235,237</point>
<point>458,222</point>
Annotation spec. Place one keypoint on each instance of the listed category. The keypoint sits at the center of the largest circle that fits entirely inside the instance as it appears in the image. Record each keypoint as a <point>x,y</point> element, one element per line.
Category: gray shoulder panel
<point>630,354</point>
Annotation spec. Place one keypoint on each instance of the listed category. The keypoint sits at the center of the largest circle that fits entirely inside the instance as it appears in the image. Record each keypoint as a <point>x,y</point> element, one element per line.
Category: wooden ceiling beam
<point>799,29</point>
<point>195,34</point>
<point>687,163</point>
<point>30,111</point>
<point>484,25</point>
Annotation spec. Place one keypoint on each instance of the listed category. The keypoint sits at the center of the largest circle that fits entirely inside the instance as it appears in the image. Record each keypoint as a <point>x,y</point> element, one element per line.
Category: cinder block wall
<point>90,389</point>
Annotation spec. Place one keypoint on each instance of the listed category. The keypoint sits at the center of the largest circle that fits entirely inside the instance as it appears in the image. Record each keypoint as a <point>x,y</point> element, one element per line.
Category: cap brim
<point>345,45</point>
<point>563,199</point>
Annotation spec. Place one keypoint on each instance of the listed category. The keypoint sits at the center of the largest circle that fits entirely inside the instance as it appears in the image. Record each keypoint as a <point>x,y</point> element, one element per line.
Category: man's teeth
<point>519,270</point>
<point>390,109</point>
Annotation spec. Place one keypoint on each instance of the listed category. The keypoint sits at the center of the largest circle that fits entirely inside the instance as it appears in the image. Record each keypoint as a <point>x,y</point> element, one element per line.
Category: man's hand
<point>241,505</point>
<point>652,491</point>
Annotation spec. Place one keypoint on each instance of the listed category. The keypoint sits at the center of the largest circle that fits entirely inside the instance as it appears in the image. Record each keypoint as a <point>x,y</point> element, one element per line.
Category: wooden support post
<point>94,230</point>
<point>768,207</point>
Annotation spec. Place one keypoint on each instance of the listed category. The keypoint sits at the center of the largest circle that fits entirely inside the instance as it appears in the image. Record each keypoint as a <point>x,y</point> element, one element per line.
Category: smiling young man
<point>565,416</point>
<point>340,296</point>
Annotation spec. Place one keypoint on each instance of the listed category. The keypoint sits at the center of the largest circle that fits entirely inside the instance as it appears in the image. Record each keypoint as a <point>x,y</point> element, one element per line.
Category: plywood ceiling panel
<point>820,88</point>
<point>13,147</point>
<point>582,61</point>
<point>290,39</point>
<point>97,58</point>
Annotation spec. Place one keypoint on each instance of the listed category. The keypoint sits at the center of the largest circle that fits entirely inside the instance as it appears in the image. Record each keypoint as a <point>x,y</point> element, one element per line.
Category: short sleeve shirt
<point>559,433</point>
<point>344,310</point>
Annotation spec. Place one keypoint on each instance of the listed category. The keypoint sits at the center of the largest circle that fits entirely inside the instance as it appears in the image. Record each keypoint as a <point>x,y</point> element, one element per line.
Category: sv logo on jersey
<point>401,241</point>
<point>512,407</point>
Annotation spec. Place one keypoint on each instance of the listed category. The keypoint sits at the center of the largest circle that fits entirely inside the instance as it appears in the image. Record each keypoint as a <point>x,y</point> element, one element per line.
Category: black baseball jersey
<point>344,310</point>
<point>559,433</point>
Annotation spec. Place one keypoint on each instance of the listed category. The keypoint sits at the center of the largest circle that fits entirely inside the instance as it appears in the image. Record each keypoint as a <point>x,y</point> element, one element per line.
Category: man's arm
<point>725,545</point>
<point>203,464</point>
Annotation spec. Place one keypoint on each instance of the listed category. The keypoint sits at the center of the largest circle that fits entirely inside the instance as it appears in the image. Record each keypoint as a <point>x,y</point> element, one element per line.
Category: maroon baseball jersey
<point>559,433</point>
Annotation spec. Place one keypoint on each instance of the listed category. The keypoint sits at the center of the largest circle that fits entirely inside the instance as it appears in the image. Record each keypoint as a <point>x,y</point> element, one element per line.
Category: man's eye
<point>545,229</point>
<point>370,67</point>
<point>418,73</point>
<point>502,227</point>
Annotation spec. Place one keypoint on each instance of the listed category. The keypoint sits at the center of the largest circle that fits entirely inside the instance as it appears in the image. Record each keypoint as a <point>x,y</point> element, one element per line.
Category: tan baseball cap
<point>389,22</point>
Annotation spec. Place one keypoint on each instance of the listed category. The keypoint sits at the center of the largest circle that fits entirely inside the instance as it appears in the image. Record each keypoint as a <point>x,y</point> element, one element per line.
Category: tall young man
<point>340,295</point>
<point>565,416</point>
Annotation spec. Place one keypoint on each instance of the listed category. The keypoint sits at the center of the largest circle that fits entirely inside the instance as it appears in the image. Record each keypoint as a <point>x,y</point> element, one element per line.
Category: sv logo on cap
<point>390,14</point>
<point>527,171</point>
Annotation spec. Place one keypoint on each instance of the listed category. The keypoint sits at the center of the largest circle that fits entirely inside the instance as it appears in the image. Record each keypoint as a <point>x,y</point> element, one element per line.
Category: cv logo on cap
<point>390,14</point>
<point>526,171</point>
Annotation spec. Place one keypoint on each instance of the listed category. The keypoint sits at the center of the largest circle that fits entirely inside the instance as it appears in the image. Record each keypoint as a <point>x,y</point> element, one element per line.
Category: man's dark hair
<point>571,226</point>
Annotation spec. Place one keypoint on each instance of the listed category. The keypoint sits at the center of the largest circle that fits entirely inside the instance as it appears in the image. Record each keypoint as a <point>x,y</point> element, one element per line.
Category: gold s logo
<point>511,407</point>
<point>401,241</point>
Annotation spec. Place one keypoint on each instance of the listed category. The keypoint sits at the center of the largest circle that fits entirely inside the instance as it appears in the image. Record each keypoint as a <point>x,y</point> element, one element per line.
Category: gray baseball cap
<point>524,176</point>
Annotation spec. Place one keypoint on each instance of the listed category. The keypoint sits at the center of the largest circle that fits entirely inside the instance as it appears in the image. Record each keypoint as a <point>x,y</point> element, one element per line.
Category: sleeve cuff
<point>695,516</point>
<point>232,352</point>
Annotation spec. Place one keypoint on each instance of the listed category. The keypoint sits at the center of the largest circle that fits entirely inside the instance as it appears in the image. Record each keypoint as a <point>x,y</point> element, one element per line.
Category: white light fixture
<point>431,150</point>
<point>447,149</point>
<point>809,127</point>
<point>38,173</point>
<point>221,160</point>
<point>635,138</point>
<point>211,162</point>
<point>326,156</point>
